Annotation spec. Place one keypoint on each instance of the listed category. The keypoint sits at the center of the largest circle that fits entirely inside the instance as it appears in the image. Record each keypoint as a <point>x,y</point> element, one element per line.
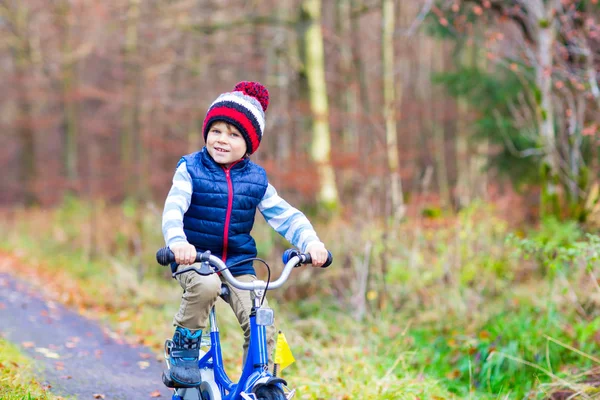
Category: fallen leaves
<point>156,393</point>
<point>143,364</point>
<point>98,396</point>
<point>27,345</point>
<point>47,352</point>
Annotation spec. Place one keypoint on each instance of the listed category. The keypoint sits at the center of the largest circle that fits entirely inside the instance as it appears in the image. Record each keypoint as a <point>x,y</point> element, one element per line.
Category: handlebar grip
<point>165,256</point>
<point>305,257</point>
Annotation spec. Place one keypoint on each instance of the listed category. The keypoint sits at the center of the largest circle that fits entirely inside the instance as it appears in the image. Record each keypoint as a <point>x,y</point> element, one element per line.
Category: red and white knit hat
<point>243,108</point>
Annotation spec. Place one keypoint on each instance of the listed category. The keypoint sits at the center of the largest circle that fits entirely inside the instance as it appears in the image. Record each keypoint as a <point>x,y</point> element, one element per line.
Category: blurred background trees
<point>375,104</point>
<point>474,123</point>
<point>540,59</point>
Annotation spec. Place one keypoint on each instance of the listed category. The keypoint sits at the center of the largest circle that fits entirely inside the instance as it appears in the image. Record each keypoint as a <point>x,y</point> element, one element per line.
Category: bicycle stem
<point>255,285</point>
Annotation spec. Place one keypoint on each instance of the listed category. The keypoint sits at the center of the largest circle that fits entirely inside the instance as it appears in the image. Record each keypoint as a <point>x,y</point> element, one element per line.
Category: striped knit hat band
<point>243,108</point>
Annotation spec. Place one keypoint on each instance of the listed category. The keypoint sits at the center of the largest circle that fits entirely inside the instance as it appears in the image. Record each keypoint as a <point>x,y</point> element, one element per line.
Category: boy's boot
<point>184,356</point>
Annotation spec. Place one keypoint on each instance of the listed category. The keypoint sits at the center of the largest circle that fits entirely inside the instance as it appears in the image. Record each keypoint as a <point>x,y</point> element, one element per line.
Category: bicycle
<point>256,381</point>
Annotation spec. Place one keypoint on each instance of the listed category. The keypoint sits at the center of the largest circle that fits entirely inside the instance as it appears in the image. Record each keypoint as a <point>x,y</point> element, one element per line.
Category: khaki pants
<point>200,294</point>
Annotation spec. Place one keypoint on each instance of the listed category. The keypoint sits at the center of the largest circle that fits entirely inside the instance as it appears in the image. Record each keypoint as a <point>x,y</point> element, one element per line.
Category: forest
<point>446,152</point>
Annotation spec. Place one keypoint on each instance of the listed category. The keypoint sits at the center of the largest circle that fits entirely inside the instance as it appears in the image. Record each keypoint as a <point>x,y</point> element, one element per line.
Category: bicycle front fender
<point>249,384</point>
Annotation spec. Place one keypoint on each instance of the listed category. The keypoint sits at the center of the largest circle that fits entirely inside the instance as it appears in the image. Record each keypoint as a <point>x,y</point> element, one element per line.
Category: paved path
<point>76,356</point>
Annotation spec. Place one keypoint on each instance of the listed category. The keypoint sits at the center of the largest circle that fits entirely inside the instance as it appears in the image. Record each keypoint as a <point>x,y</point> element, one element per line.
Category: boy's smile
<point>225,143</point>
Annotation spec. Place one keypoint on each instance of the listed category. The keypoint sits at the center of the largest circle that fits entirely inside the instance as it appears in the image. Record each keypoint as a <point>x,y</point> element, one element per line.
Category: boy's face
<point>225,143</point>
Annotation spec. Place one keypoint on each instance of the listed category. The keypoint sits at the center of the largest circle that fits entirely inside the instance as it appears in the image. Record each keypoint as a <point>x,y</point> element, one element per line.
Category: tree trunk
<point>133,141</point>
<point>282,56</point>
<point>348,101</point>
<point>463,133</point>
<point>389,110</point>
<point>364,108</point>
<point>545,30</point>
<point>130,133</point>
<point>315,74</point>
<point>438,126</point>
<point>25,131</point>
<point>26,134</point>
<point>479,159</point>
<point>68,84</point>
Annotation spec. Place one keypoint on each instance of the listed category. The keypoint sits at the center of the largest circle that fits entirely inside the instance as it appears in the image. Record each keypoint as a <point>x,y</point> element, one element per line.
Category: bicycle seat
<point>224,292</point>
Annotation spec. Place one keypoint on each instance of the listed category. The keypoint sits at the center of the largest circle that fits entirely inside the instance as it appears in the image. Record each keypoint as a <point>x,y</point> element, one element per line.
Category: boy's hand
<point>318,253</point>
<point>185,253</point>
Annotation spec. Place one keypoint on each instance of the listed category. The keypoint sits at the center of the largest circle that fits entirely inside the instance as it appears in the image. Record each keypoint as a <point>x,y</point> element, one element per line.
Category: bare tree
<point>389,107</point>
<point>317,86</point>
<point>16,18</point>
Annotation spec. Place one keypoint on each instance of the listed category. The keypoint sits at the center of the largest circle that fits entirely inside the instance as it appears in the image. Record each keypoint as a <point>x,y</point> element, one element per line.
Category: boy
<point>211,206</point>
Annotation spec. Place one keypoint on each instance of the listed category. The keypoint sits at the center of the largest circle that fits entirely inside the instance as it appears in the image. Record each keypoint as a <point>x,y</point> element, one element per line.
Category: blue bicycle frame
<point>255,372</point>
<point>255,367</point>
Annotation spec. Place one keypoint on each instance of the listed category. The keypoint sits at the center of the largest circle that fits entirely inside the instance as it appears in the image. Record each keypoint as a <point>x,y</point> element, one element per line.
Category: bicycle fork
<point>255,370</point>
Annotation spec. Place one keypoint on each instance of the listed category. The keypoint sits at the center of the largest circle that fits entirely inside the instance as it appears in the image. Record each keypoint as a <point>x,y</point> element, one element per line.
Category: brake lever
<point>204,270</point>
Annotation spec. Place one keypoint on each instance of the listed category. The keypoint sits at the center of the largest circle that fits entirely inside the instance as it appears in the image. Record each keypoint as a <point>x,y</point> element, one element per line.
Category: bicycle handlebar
<point>292,258</point>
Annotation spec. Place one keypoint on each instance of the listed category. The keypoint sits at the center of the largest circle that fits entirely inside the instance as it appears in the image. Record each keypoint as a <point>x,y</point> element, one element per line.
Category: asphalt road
<point>75,356</point>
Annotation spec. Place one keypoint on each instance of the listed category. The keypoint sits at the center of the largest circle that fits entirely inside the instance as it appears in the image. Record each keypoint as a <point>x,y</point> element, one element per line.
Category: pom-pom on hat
<point>243,108</point>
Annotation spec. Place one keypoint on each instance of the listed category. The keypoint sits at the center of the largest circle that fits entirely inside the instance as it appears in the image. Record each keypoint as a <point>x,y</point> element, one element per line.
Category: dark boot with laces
<point>184,356</point>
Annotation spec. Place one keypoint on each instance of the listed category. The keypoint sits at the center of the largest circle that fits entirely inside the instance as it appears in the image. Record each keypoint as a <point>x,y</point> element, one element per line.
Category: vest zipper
<point>229,207</point>
<point>228,215</point>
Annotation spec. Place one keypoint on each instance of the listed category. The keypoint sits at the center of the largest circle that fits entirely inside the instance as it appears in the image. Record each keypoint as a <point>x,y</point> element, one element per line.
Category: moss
<point>549,200</point>
<point>537,94</point>
<point>431,212</point>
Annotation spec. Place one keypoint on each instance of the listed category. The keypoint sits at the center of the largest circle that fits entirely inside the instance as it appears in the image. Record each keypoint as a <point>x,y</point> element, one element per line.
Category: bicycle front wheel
<point>269,392</point>
<point>187,394</point>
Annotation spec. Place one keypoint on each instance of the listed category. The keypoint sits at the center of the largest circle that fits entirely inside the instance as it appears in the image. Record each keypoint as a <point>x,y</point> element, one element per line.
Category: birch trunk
<point>389,109</point>
<point>546,115</point>
<point>315,74</point>
<point>541,16</point>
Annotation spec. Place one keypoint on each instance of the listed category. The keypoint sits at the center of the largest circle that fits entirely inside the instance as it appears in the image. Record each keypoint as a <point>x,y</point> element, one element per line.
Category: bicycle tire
<point>269,392</point>
<point>189,394</point>
<point>209,391</point>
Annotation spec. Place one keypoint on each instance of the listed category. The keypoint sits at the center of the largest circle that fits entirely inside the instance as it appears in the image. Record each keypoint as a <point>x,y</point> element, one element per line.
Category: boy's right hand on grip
<point>185,253</point>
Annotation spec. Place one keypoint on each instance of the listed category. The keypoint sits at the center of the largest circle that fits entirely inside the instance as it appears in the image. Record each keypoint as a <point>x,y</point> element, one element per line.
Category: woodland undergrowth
<point>439,307</point>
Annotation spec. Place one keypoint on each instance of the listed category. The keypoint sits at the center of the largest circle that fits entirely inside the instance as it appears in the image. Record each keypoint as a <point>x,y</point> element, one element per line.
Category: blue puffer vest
<point>223,206</point>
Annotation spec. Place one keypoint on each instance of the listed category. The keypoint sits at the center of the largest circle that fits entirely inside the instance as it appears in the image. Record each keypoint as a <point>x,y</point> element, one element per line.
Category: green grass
<point>458,312</point>
<point>498,358</point>
<point>17,380</point>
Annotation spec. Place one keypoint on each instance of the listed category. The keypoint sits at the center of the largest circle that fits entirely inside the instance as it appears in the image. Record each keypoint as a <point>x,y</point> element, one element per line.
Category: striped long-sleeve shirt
<point>289,222</point>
